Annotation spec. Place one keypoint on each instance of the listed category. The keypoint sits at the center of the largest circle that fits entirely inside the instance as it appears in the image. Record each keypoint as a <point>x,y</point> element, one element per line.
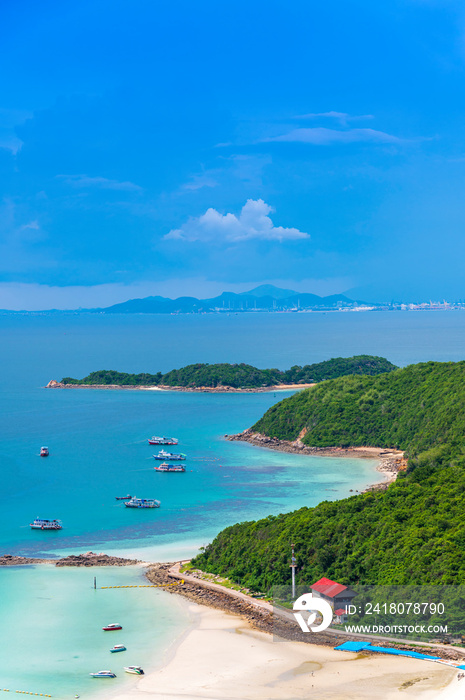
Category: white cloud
<point>206,179</point>
<point>34,225</point>
<point>102,183</point>
<point>252,223</point>
<point>321,136</point>
<point>342,117</point>
<point>9,120</point>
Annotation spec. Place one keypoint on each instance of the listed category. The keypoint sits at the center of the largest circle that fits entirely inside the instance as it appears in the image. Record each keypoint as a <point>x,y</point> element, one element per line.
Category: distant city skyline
<point>248,299</point>
<point>180,149</point>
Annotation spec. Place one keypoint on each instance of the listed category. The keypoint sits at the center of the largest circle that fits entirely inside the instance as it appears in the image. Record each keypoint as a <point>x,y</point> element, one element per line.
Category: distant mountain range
<point>263,298</point>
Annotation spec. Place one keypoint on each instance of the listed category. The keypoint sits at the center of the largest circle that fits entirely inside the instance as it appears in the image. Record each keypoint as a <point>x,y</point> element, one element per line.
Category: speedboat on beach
<point>44,452</point>
<point>163,455</point>
<point>142,503</point>
<point>165,467</point>
<point>103,674</point>
<point>112,626</point>
<point>41,524</point>
<point>117,647</point>
<point>163,440</point>
<point>137,670</point>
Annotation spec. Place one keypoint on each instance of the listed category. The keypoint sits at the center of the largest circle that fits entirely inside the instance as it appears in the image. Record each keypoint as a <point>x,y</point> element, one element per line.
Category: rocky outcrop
<point>93,559</point>
<point>12,560</point>
<point>284,445</point>
<point>87,559</point>
<point>53,384</point>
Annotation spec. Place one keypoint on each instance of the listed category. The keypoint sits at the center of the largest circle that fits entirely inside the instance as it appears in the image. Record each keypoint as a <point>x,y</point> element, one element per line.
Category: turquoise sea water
<point>98,450</point>
<point>52,621</point>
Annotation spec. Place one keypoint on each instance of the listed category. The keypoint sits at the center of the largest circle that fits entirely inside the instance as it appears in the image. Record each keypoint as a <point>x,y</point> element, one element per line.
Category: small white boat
<point>112,626</point>
<point>118,647</point>
<point>44,452</point>
<point>103,674</point>
<point>137,670</point>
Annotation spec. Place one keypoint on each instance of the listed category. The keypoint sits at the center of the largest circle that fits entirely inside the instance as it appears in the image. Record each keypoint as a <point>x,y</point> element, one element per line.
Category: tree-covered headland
<point>413,532</point>
<point>240,375</point>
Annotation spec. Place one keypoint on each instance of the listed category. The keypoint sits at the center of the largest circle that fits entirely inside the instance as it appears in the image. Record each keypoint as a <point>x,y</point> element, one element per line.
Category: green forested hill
<point>241,375</point>
<point>412,533</point>
<point>419,408</point>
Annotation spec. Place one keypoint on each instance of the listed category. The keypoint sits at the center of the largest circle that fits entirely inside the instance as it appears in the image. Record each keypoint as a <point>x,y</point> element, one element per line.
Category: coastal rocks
<point>53,384</point>
<point>260,618</point>
<point>201,591</point>
<point>12,560</point>
<point>87,559</point>
<point>390,461</point>
<point>282,445</point>
<point>93,559</point>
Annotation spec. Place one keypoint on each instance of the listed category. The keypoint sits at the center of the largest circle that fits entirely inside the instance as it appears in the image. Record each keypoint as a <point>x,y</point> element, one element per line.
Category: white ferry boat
<point>163,440</point>
<point>164,455</point>
<point>41,524</point>
<point>142,503</point>
<point>165,467</point>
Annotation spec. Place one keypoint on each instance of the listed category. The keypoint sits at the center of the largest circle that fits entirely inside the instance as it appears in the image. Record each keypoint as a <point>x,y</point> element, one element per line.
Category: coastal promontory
<point>411,533</point>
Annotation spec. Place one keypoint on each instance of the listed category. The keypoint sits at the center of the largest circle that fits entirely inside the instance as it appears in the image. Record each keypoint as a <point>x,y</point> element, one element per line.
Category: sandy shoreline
<point>53,384</point>
<point>223,658</point>
<point>225,655</point>
<point>391,462</point>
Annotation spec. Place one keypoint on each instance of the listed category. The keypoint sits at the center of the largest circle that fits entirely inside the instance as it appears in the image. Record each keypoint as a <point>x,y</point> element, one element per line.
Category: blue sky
<point>187,148</point>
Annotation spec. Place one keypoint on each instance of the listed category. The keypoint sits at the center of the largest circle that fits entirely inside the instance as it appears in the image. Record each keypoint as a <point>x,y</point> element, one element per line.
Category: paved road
<point>287,614</point>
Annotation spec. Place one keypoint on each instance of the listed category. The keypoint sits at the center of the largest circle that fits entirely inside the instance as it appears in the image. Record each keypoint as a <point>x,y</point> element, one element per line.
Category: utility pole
<point>293,567</point>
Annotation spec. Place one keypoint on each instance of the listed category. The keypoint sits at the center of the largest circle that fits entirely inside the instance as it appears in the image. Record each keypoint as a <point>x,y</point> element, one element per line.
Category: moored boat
<point>112,626</point>
<point>172,456</point>
<point>117,647</point>
<point>142,503</point>
<point>137,670</point>
<point>163,440</point>
<point>103,674</point>
<point>123,498</point>
<point>42,524</point>
<point>44,452</point>
<point>165,467</point>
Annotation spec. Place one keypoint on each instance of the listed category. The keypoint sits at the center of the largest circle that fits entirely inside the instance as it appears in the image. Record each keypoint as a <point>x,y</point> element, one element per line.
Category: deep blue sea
<point>99,450</point>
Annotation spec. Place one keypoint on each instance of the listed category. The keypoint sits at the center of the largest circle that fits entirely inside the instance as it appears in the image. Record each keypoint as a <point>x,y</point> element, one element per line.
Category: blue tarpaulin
<point>360,646</point>
<point>353,646</point>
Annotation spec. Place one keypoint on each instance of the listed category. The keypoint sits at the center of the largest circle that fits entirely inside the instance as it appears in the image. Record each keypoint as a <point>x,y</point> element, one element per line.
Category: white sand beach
<point>223,658</point>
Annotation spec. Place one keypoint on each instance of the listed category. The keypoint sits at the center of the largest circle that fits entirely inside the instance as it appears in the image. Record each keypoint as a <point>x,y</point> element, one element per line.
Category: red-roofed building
<point>337,595</point>
<point>341,616</point>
